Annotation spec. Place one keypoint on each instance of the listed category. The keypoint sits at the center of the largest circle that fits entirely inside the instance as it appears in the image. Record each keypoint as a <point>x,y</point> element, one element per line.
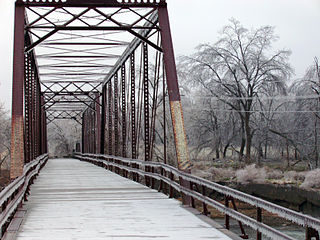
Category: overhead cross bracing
<point>76,45</point>
<point>101,63</point>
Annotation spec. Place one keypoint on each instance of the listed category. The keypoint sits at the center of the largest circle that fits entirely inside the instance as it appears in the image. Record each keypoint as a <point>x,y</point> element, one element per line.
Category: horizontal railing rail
<point>169,175</point>
<point>12,195</point>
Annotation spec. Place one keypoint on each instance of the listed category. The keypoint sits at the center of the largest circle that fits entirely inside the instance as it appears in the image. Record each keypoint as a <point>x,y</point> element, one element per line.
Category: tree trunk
<point>248,138</point>
<point>225,150</point>
<point>266,147</point>
<point>217,153</point>
<point>243,141</point>
<point>316,143</point>
<point>260,153</point>
<point>288,157</point>
<point>243,144</point>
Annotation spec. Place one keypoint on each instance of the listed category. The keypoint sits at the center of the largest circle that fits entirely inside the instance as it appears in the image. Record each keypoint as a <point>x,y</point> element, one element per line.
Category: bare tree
<point>63,136</point>
<point>237,69</point>
<point>5,136</point>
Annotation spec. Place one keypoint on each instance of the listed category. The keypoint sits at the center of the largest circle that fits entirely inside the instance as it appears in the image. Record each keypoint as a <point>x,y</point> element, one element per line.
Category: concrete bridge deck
<point>76,200</point>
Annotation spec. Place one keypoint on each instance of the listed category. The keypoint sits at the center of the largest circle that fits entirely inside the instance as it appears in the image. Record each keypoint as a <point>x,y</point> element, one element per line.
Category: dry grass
<point>312,180</point>
<point>251,174</point>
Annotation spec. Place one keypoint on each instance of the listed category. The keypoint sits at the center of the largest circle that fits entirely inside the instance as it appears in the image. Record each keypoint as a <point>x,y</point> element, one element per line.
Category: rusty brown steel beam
<point>133,107</point>
<point>41,16</point>
<point>123,110</point>
<point>97,127</point>
<point>110,122</point>
<point>173,91</point>
<point>116,115</point>
<point>78,56</point>
<point>72,74</point>
<point>72,81</point>
<point>76,66</point>
<point>153,20</point>
<point>90,28</point>
<point>146,27</point>
<point>31,46</point>
<point>91,3</point>
<point>180,138</point>
<point>84,43</point>
<point>17,124</point>
<point>103,120</point>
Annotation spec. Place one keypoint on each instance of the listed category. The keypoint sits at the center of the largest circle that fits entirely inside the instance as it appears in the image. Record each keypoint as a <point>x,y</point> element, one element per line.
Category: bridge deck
<point>77,200</point>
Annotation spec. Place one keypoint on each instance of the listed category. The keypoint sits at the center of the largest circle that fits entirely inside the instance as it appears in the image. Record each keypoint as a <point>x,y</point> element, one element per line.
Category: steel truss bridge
<point>109,66</point>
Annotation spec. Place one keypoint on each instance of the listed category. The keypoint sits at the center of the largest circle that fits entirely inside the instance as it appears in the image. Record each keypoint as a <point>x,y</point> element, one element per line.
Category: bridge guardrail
<point>168,175</point>
<point>13,194</point>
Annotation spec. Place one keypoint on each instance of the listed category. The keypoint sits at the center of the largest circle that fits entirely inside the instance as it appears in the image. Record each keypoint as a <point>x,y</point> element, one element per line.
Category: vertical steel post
<point>259,219</point>
<point>27,109</point>
<point>98,128</point>
<point>17,130</point>
<point>86,133</point>
<point>146,103</point>
<point>180,138</point>
<point>42,126</point>
<point>133,112</point>
<point>37,114</point>
<point>45,132</point>
<point>110,130</point>
<point>83,133</point>
<point>116,116</point>
<point>124,110</point>
<point>146,109</point>
<point>103,120</point>
<point>133,108</point>
<point>173,91</point>
<point>32,107</point>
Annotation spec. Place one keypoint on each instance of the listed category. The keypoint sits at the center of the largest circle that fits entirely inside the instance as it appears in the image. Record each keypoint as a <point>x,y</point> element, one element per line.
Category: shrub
<point>221,174</point>
<point>201,173</point>
<point>251,174</point>
<point>274,173</point>
<point>293,176</point>
<point>312,179</point>
<point>214,174</point>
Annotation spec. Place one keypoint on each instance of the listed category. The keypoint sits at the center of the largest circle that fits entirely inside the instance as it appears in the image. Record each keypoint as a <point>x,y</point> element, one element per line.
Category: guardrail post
<point>192,199</point>
<point>160,189</point>
<point>311,233</point>
<point>259,219</point>
<point>137,175</point>
<point>244,235</point>
<point>204,206</point>
<point>170,187</point>
<point>152,179</point>
<point>227,218</point>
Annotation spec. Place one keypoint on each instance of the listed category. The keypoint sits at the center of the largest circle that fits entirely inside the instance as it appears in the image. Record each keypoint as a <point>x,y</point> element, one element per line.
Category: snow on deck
<point>77,200</point>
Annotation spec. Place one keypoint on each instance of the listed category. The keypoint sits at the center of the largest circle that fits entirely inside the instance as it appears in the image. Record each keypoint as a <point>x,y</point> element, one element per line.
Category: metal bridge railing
<point>165,174</point>
<point>12,195</point>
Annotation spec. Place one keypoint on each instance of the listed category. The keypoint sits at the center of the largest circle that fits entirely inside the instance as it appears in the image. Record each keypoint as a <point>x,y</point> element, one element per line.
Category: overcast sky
<point>199,21</point>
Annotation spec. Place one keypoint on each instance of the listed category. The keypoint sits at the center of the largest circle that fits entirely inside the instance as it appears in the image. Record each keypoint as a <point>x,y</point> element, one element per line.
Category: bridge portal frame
<point>26,129</point>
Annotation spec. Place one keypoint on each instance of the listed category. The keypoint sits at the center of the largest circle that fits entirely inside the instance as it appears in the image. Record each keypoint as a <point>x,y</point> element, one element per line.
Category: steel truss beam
<point>73,87</point>
<point>92,3</point>
<point>64,114</point>
<point>28,137</point>
<point>153,20</point>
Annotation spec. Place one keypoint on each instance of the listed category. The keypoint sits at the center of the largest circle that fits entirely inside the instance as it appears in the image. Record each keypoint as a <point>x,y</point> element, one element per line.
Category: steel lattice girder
<point>72,53</point>
<point>90,41</point>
